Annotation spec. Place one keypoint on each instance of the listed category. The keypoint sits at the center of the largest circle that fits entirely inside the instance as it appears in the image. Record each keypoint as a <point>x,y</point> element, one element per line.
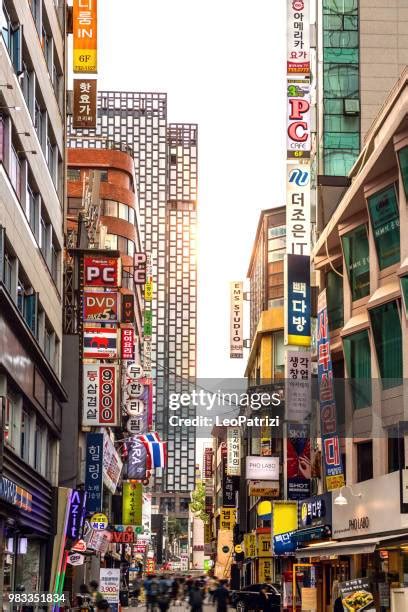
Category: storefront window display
<point>22,559</point>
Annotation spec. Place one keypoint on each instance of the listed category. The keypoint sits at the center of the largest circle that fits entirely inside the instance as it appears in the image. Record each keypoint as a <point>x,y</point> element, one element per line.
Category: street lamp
<point>340,500</point>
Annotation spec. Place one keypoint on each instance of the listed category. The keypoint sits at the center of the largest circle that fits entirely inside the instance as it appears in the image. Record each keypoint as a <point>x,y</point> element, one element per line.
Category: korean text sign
<point>84,18</point>
<point>99,395</point>
<point>132,503</point>
<point>94,472</point>
<point>298,301</point>
<point>327,402</point>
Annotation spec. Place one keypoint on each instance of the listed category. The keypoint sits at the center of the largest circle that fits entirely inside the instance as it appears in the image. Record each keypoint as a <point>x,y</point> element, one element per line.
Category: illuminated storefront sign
<point>84,27</point>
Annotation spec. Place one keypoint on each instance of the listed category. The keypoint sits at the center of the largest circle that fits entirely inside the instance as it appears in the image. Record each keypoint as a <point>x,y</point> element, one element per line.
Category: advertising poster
<point>99,395</point>
<point>84,103</point>
<point>101,272</point>
<point>100,343</point>
<point>132,499</point>
<point>328,417</point>
<point>233,451</point>
<point>356,594</point>
<point>109,584</point>
<point>298,461</point>
<point>236,323</point>
<point>298,392</point>
<point>94,472</point>
<point>101,306</point>
<point>298,329</point>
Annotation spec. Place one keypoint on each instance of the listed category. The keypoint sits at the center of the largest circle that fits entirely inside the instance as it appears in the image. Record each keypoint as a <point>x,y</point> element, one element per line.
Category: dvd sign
<point>101,271</point>
<point>100,306</point>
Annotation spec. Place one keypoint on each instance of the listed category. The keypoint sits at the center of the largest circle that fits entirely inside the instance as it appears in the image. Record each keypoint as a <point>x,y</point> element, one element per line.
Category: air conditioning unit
<point>351,106</point>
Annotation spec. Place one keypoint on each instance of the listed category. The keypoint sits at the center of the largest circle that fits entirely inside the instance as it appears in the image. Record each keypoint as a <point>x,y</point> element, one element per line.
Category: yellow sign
<point>263,488</point>
<point>266,441</point>
<point>99,521</point>
<point>250,544</point>
<point>309,598</point>
<point>264,542</point>
<point>228,518</point>
<point>224,554</point>
<point>207,533</point>
<point>285,517</point>
<point>132,499</point>
<point>148,291</point>
<point>84,24</point>
<point>238,549</point>
<point>335,482</point>
<point>265,570</point>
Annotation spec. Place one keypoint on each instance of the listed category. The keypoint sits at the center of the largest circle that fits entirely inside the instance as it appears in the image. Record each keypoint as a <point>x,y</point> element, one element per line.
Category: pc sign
<point>101,272</point>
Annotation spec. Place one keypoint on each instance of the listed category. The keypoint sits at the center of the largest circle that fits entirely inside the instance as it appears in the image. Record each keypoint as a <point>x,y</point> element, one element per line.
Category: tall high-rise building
<point>166,174</point>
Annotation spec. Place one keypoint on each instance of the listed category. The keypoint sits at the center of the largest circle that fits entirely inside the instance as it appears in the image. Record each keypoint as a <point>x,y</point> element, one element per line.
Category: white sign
<point>184,563</point>
<point>298,366</point>
<point>134,407</point>
<point>298,118</point>
<point>112,464</point>
<point>233,451</point>
<point>134,371</point>
<point>262,468</point>
<point>298,37</point>
<point>147,356</point>
<point>134,389</point>
<point>99,395</point>
<point>135,425</point>
<point>298,228</point>
<point>75,559</point>
<point>109,584</point>
<point>236,325</point>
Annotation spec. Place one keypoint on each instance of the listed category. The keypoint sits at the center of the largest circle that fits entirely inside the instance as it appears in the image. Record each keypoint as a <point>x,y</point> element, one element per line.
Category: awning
<point>351,547</point>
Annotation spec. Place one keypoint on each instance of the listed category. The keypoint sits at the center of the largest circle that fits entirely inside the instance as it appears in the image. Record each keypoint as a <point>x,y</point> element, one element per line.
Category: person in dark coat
<point>221,596</point>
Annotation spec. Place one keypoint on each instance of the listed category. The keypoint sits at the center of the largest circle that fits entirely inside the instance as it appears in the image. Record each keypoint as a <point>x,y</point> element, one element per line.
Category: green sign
<point>147,323</point>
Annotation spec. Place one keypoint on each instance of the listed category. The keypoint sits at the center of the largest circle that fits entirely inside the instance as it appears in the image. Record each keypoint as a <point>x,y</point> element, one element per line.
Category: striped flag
<point>156,448</point>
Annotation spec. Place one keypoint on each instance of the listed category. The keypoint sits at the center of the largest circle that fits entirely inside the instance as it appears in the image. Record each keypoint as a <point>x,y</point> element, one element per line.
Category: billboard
<point>262,468</point>
<point>327,401</point>
<point>94,472</point>
<point>84,104</point>
<point>236,323</point>
<point>298,461</point>
<point>298,118</point>
<point>233,451</point>
<point>132,499</point>
<point>101,271</point>
<point>100,343</point>
<point>298,226</point>
<point>84,29</point>
<point>100,306</point>
<point>298,305</point>
<point>298,37</point>
<point>99,394</point>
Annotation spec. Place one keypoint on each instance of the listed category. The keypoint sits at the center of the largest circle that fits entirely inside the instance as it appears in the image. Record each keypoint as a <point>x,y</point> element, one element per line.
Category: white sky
<point>222,64</point>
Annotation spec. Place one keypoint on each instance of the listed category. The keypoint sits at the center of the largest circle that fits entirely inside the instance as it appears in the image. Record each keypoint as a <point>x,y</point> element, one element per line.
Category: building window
<point>356,256</point>
<point>15,171</point>
<point>8,272</point>
<point>25,436</point>
<point>334,287</point>
<point>104,176</point>
<point>31,212</point>
<point>395,450</point>
<point>364,461</point>
<point>403,163</point>
<point>73,174</point>
<point>278,356</point>
<point>38,447</point>
<point>10,420</point>
<point>386,324</point>
<point>384,215</point>
<point>357,353</point>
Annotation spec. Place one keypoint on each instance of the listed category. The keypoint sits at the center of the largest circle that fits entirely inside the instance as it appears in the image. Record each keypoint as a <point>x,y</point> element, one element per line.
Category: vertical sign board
<point>298,37</point>
<point>128,308</point>
<point>297,300</point>
<point>139,263</point>
<point>84,27</point>
<point>298,227</point>
<point>327,402</point>
<point>233,451</point>
<point>99,395</point>
<point>109,584</point>
<point>127,343</point>
<point>76,514</point>
<point>230,484</point>
<point>208,462</point>
<point>132,498</point>
<point>298,368</point>
<point>94,472</point>
<point>84,104</point>
<point>236,325</point>
<point>298,118</point>
<point>298,461</point>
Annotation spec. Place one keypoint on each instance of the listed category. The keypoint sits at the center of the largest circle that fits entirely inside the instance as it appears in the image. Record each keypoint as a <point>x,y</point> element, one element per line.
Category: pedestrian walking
<point>163,598</point>
<point>221,596</point>
<point>196,598</point>
<point>151,587</point>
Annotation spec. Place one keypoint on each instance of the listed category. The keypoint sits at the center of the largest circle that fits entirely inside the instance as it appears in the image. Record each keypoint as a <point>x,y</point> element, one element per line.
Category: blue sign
<point>93,472</point>
<point>298,300</point>
<point>76,514</point>
<point>284,543</point>
<point>327,402</point>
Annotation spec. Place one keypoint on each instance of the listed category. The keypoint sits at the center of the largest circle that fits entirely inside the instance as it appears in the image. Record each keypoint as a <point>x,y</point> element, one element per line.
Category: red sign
<point>101,271</point>
<point>127,343</point>
<point>100,306</point>
<point>79,546</point>
<point>128,308</point>
<point>123,537</point>
<point>100,343</point>
<point>99,395</point>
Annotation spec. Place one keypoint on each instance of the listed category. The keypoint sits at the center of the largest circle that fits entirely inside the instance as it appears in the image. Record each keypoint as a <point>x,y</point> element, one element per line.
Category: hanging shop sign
<point>230,484</point>
<point>147,322</point>
<point>139,263</point>
<point>262,468</point>
<point>136,460</point>
<point>298,393</point>
<point>236,322</point>
<point>134,389</point>
<point>128,308</point>
<point>79,546</point>
<point>298,226</point>
<point>100,343</point>
<point>298,461</point>
<point>134,407</point>
<point>101,306</point>
<point>109,584</point>
<point>84,112</point>
<point>315,511</point>
<point>84,28</point>
<point>328,414</point>
<point>99,521</point>
<point>233,451</point>
<point>284,543</point>
<point>75,559</point>
<point>76,516</point>
<point>250,545</point>
<point>98,540</point>
<point>127,343</point>
<point>147,356</point>
<point>298,118</point>
<point>112,464</point>
<point>99,395</point>
<point>15,495</point>
<point>263,544</point>
<point>134,371</point>
<point>297,300</point>
<point>265,570</point>
<point>132,499</point>
<point>101,272</point>
<point>228,518</point>
<point>94,471</point>
<point>264,488</point>
<point>208,462</point>
<point>298,37</point>
<point>136,425</point>
<point>148,290</point>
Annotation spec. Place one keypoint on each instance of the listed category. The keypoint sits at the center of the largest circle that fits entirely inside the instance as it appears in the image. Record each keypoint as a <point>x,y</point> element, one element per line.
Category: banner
<point>298,330</point>
<point>99,395</point>
<point>298,118</point>
<point>100,343</point>
<point>298,37</point>
<point>132,498</point>
<point>236,324</point>
<point>298,461</point>
<point>233,451</point>
<point>94,472</point>
<point>228,518</point>
<point>136,462</point>
<point>101,271</point>
<point>84,112</point>
<point>298,226</point>
<point>112,464</point>
<point>298,392</point>
<point>84,28</point>
<point>328,417</point>
<point>101,306</point>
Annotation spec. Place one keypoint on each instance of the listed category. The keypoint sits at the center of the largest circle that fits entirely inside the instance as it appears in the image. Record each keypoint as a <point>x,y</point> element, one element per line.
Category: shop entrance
<point>333,571</point>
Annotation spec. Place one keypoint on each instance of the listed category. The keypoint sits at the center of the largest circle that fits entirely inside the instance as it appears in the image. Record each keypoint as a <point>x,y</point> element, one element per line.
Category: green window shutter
<point>356,256</point>
<point>334,286</point>
<point>384,215</point>
<point>386,325</point>
<point>357,354</point>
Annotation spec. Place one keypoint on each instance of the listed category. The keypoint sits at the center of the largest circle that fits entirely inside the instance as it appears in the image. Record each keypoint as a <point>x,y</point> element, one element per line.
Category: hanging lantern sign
<point>134,371</point>
<point>134,407</point>
<point>134,389</point>
<point>134,425</point>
